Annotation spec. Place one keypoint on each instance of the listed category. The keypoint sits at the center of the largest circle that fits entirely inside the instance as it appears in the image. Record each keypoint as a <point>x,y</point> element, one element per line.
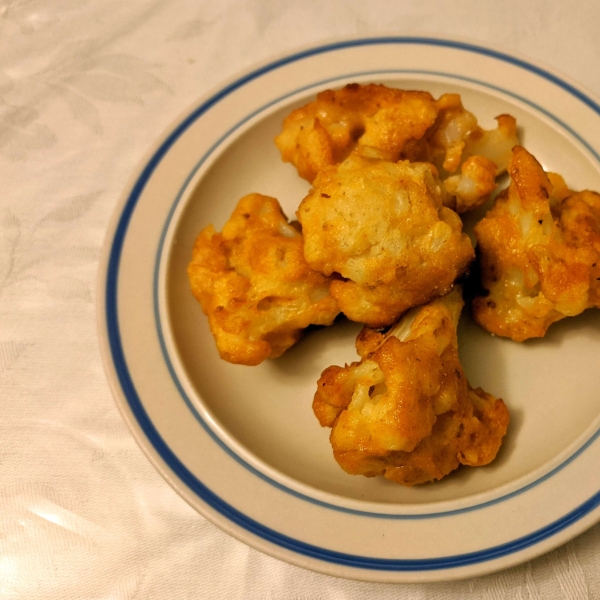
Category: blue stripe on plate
<point>175,464</point>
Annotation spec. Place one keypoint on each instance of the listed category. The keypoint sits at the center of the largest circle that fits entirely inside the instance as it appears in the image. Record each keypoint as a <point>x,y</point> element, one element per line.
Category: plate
<point>241,444</point>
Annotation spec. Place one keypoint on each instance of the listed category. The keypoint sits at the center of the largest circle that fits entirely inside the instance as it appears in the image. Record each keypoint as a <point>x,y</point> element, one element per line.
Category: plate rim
<point>153,156</point>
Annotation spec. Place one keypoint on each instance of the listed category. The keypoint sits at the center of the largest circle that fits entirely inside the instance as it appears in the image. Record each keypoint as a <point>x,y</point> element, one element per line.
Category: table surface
<point>86,86</point>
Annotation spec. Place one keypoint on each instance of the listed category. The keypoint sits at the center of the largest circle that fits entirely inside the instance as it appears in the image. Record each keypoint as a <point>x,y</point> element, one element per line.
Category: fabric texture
<point>86,86</point>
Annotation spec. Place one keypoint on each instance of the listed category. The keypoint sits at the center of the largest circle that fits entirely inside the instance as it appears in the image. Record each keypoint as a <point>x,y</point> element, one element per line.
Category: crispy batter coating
<point>401,124</point>
<point>406,410</point>
<point>324,132</point>
<point>457,143</point>
<point>383,228</point>
<point>539,249</point>
<point>254,284</point>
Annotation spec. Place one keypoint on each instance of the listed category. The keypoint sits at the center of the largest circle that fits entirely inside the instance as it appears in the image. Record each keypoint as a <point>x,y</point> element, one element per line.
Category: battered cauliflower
<point>382,226</point>
<point>324,132</point>
<point>472,188</point>
<point>400,124</point>
<point>254,284</point>
<point>406,410</point>
<point>539,250</point>
<point>456,142</point>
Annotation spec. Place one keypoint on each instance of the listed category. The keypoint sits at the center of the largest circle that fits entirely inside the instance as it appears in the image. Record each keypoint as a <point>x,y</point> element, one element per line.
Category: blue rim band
<point>175,464</point>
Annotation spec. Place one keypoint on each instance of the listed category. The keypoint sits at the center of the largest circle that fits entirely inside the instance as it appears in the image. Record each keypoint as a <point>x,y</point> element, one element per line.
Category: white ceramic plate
<point>241,444</point>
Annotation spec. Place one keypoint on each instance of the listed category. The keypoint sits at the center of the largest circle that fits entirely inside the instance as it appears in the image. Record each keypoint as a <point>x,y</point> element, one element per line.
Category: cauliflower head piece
<point>325,131</point>
<point>382,226</point>
<point>539,253</point>
<point>401,124</point>
<point>468,157</point>
<point>254,285</point>
<point>406,410</point>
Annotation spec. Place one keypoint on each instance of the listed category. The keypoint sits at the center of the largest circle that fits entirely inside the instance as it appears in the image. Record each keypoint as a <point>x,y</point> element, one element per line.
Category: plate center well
<point>550,386</point>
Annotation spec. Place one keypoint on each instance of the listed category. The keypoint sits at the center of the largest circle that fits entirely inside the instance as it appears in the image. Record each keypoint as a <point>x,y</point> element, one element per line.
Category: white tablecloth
<point>86,86</point>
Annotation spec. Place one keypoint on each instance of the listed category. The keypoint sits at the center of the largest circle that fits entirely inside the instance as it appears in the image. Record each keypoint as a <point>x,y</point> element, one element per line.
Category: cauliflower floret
<point>382,227</point>
<point>539,249</point>
<point>324,132</point>
<point>494,144</point>
<point>472,188</point>
<point>406,410</point>
<point>401,124</point>
<point>456,142</point>
<point>254,284</point>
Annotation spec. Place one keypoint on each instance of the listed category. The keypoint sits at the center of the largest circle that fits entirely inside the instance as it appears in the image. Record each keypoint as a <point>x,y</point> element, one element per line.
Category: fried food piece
<point>456,142</point>
<point>401,124</point>
<point>254,284</point>
<point>324,132</point>
<point>472,188</point>
<point>383,228</point>
<point>406,410</point>
<point>539,249</point>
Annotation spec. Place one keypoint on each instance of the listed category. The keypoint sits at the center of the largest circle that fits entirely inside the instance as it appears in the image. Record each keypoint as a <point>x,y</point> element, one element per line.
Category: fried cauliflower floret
<point>254,284</point>
<point>467,157</point>
<point>539,250</point>
<point>406,410</point>
<point>383,228</point>
<point>400,124</point>
<point>472,188</point>
<point>324,132</point>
